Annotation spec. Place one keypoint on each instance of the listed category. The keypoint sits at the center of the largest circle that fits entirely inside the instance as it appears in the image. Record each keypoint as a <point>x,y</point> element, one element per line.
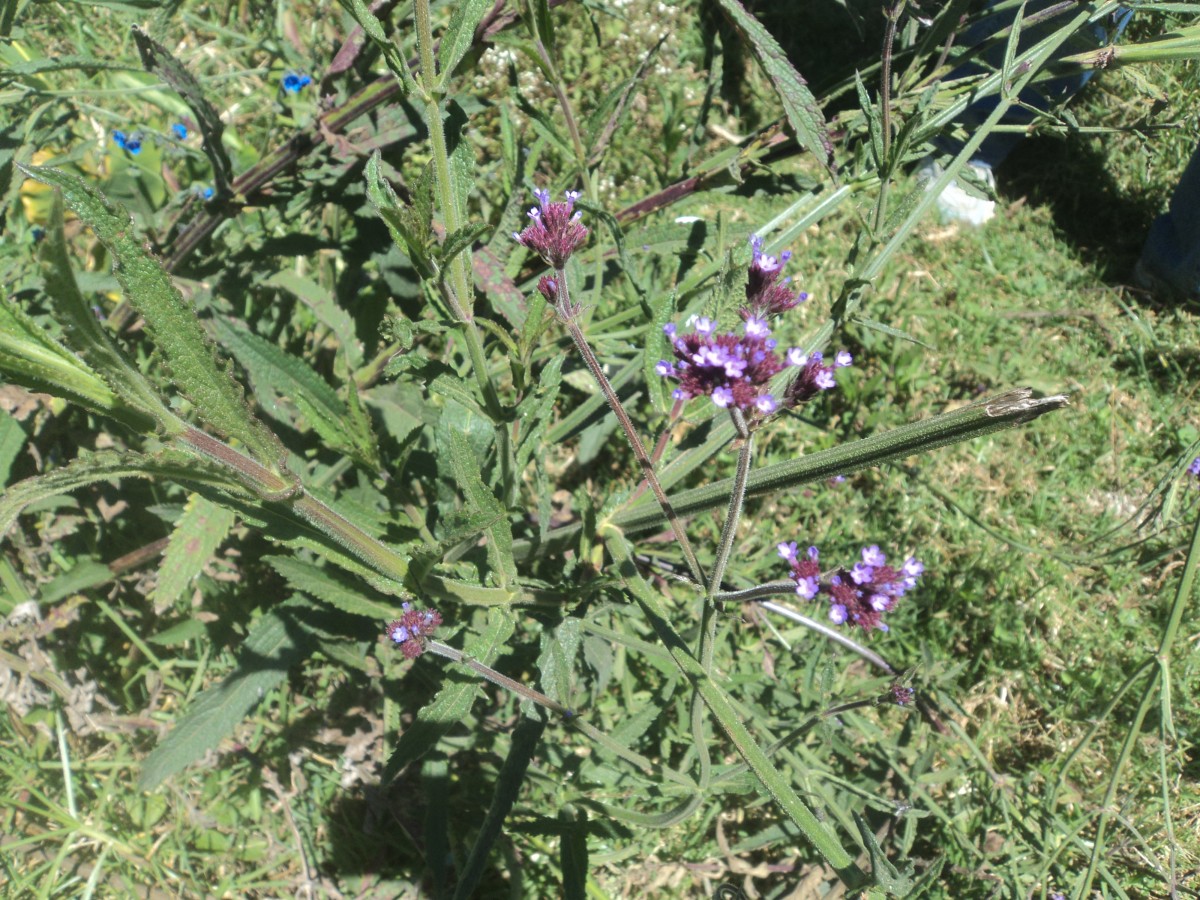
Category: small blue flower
<point>180,130</point>
<point>294,82</point>
<point>38,233</point>
<point>207,193</point>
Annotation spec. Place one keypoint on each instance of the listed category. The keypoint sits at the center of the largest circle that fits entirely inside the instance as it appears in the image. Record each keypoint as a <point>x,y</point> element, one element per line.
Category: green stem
<point>818,834</point>
<point>274,488</point>
<point>569,317</point>
<point>1161,681</point>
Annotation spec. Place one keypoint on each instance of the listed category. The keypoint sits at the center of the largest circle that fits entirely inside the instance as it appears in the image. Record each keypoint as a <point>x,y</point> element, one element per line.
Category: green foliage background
<point>211,634</point>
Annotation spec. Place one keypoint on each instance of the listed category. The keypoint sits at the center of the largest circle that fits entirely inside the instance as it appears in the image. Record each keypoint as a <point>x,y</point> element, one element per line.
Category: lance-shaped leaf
<point>508,787</point>
<point>278,642</point>
<point>158,61</point>
<point>459,36</point>
<point>276,374</point>
<point>799,105</point>
<point>324,306</point>
<point>1012,408</point>
<point>195,538</point>
<point>172,324</point>
<point>407,223</point>
<point>31,357</point>
<point>336,591</point>
<point>481,500</point>
<point>88,335</point>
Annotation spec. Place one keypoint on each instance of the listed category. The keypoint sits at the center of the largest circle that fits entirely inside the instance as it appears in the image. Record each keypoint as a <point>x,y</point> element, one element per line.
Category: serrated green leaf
<point>481,499</point>
<point>276,373</point>
<point>283,528</point>
<point>373,28</point>
<point>276,643</point>
<point>453,388</point>
<point>536,411</point>
<point>453,702</point>
<point>327,586</point>
<point>799,105</point>
<point>89,335</point>
<point>325,307</point>
<point>169,319</point>
<point>108,465</point>
<point>556,661</point>
<point>408,226</point>
<point>158,60</point>
<point>459,36</point>
<point>462,240</point>
<point>196,536</point>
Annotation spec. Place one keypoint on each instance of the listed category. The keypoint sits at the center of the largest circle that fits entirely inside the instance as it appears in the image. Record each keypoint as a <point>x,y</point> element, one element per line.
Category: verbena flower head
<point>734,370</point>
<point>295,82</point>
<point>131,142</point>
<point>411,632</point>
<point>555,231</point>
<point>766,295</point>
<point>901,695</point>
<point>860,595</point>
<point>180,131</point>
<point>815,375</point>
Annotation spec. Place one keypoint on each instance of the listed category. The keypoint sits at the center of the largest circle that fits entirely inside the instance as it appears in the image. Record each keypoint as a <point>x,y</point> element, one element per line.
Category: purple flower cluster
<point>556,231</point>
<point>413,629</point>
<point>735,369</point>
<point>731,369</point>
<point>1194,468</point>
<point>860,595</point>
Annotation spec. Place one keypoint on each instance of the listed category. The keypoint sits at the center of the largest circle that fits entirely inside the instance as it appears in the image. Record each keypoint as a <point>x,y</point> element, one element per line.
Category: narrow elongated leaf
<point>158,60</point>
<point>481,499</point>
<point>196,536</point>
<point>324,306</point>
<point>88,335</point>
<point>524,744</point>
<point>170,321</point>
<point>453,702</point>
<point>278,642</point>
<point>334,590</point>
<point>31,357</point>
<point>12,439</point>
<point>799,105</point>
<point>408,224</point>
<point>275,373</point>
<point>459,36</point>
<point>603,123</point>
<point>107,465</point>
